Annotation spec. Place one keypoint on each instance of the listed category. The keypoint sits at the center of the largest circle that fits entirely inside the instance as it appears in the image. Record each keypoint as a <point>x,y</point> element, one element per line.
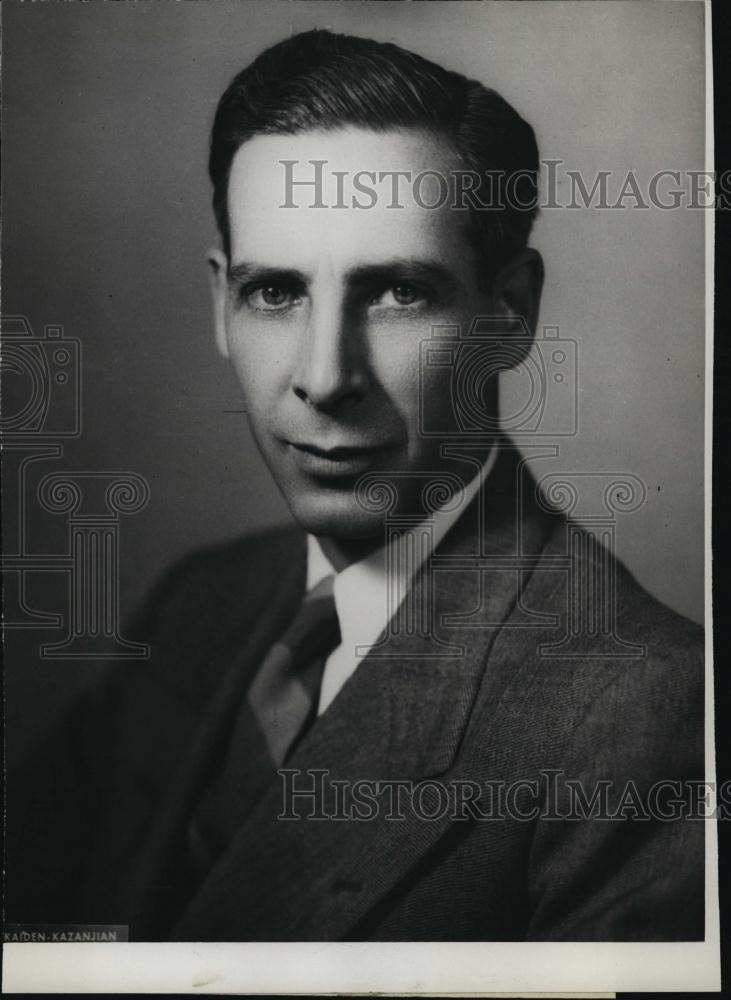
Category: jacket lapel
<point>401,716</point>
<point>159,883</point>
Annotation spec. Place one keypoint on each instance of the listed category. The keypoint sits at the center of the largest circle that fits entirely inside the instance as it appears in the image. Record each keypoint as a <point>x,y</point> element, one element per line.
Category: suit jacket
<point>505,691</point>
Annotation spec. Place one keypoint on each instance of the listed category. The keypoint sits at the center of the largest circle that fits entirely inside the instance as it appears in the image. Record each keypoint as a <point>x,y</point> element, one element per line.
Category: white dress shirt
<point>361,598</point>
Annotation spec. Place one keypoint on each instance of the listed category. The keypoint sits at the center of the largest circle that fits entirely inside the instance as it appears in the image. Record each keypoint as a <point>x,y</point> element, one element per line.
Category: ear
<point>217,273</point>
<point>516,290</point>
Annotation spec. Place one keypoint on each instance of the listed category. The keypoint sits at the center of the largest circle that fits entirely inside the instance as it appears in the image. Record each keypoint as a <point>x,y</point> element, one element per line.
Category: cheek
<point>261,367</point>
<point>396,369</point>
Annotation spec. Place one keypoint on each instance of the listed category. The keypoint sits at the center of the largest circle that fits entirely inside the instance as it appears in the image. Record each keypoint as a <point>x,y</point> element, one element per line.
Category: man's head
<point>318,81</point>
<point>322,310</point>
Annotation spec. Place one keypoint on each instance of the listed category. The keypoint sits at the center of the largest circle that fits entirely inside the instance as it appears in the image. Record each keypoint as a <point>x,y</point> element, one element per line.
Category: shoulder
<point>608,595</point>
<point>242,559</point>
<point>221,581</point>
<point>631,670</point>
<point>654,707</point>
<point>195,622</point>
<point>592,668</point>
<point>198,617</point>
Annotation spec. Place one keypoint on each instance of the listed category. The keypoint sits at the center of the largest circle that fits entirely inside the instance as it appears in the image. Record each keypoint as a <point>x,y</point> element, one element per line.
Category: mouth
<point>338,462</point>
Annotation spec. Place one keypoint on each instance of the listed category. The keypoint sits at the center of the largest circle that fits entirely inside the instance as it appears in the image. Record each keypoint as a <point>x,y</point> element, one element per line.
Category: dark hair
<point>318,80</point>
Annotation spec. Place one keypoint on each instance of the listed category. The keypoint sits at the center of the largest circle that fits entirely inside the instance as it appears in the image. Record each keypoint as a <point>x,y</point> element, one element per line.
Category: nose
<point>332,367</point>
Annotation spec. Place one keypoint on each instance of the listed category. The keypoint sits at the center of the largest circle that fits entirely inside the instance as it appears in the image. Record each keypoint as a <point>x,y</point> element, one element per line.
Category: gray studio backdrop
<point>106,113</point>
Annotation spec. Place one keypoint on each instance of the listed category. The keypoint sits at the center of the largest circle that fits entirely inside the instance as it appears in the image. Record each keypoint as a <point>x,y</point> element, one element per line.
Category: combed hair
<point>319,81</point>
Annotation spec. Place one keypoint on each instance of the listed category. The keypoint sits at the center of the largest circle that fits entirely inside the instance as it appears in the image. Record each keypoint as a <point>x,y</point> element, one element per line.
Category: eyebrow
<point>245,273</point>
<point>404,269</point>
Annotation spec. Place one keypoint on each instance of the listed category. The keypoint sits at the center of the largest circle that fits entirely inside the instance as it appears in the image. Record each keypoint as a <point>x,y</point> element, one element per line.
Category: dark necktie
<point>284,693</point>
<point>280,704</point>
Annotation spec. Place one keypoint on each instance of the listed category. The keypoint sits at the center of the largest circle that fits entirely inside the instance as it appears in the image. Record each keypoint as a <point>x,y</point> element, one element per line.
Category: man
<point>390,722</point>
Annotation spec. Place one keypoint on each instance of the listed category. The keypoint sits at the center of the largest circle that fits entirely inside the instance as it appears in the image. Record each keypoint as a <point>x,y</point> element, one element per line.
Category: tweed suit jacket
<point>501,695</point>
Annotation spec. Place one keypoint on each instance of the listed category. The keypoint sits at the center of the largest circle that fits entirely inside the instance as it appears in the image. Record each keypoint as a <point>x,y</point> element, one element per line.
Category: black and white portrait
<point>354,410</point>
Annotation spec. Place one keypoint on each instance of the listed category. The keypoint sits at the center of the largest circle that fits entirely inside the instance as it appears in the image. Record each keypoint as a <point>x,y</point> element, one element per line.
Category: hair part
<point>317,81</point>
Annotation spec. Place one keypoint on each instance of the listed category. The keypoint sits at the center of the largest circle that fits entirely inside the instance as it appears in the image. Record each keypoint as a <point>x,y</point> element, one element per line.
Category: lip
<point>340,461</point>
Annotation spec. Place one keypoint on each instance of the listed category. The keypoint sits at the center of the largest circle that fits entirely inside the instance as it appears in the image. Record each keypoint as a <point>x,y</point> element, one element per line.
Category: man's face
<point>322,312</point>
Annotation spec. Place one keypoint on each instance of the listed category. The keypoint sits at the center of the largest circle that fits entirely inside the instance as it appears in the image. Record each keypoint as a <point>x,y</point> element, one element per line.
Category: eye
<point>271,298</point>
<point>400,295</point>
<point>405,295</point>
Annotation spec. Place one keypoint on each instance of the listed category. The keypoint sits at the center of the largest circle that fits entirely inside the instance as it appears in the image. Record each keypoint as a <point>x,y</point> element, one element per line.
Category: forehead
<point>275,221</point>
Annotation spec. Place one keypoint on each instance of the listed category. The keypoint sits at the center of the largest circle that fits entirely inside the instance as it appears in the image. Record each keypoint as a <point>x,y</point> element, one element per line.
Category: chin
<point>339,519</point>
